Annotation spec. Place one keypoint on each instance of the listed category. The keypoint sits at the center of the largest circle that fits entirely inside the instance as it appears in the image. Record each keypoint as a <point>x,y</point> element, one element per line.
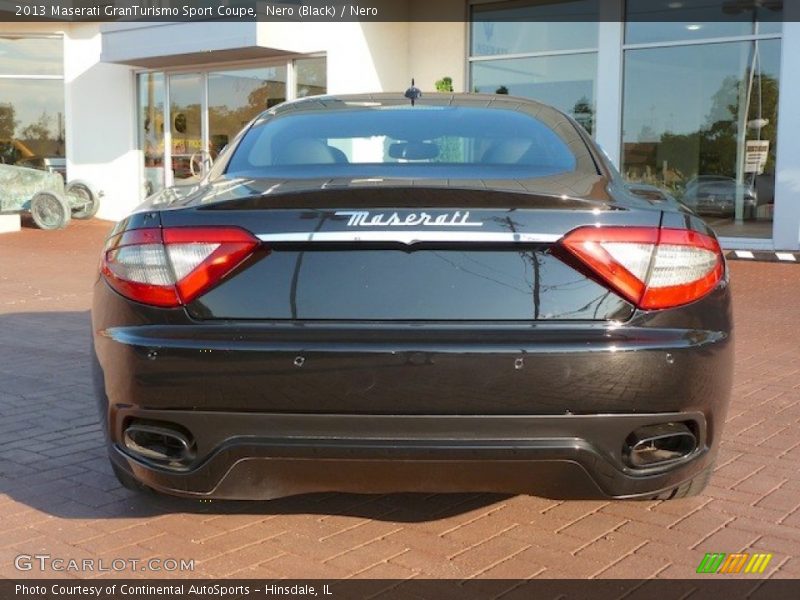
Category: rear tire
<point>690,488</point>
<point>50,211</point>
<point>84,192</point>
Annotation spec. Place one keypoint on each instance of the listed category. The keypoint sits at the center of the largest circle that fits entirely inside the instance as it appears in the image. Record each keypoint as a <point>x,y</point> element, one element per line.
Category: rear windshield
<point>404,141</point>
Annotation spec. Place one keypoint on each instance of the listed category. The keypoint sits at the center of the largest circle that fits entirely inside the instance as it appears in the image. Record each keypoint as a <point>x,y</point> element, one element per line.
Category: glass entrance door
<point>236,96</point>
<point>207,109</point>
<point>185,119</point>
<point>151,131</point>
<point>187,144</point>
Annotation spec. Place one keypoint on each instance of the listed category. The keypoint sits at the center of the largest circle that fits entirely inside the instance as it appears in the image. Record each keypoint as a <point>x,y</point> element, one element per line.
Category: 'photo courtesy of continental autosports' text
<point>466,298</point>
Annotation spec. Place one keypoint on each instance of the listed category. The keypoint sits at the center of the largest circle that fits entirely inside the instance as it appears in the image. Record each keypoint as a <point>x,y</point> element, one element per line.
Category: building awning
<point>165,45</point>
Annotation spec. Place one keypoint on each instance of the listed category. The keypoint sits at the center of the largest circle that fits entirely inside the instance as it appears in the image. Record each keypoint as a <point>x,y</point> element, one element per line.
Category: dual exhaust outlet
<point>659,445</point>
<point>160,444</point>
<point>650,446</point>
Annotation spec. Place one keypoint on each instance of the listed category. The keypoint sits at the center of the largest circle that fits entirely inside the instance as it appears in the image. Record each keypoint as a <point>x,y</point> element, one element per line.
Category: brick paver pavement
<point>58,496</point>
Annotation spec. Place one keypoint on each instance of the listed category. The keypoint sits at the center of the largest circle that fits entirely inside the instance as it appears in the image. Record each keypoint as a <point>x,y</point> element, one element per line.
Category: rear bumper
<point>282,408</point>
<point>665,362</point>
<point>261,456</point>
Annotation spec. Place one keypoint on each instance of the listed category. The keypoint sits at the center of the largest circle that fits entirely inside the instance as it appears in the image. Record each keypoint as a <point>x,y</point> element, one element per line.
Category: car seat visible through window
<point>306,152</point>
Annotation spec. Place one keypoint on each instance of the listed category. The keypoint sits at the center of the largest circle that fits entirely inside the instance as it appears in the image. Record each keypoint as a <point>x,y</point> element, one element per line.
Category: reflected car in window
<point>716,195</point>
<point>374,295</point>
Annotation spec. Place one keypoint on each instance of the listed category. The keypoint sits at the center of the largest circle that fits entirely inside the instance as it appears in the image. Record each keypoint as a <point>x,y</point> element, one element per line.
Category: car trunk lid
<point>414,254</point>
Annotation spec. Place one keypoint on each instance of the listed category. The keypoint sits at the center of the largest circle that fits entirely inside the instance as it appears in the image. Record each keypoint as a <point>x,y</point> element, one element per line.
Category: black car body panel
<point>379,339</point>
<point>316,270</point>
<point>175,362</point>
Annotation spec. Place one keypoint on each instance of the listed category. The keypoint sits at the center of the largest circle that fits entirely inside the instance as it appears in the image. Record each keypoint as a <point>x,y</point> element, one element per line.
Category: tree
<point>7,121</point>
<point>583,112</point>
<point>718,138</point>
<point>647,134</point>
<point>445,84</point>
<point>38,130</point>
<point>713,148</point>
<point>267,95</point>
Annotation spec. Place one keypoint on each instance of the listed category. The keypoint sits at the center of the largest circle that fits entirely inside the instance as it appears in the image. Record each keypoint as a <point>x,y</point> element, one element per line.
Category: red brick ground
<point>58,496</point>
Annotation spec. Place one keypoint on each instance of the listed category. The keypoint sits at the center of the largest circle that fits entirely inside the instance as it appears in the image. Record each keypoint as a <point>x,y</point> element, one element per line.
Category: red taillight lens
<point>652,268</point>
<point>173,266</point>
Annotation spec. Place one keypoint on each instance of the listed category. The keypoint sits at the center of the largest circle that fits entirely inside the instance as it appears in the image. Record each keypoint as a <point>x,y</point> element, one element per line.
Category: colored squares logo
<point>732,564</point>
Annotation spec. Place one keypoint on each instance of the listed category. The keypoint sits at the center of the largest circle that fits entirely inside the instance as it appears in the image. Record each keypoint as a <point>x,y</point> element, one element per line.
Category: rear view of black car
<point>373,296</point>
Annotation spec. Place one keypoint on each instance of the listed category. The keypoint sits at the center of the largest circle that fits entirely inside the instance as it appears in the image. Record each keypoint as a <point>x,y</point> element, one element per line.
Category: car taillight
<point>173,266</point>
<point>652,268</point>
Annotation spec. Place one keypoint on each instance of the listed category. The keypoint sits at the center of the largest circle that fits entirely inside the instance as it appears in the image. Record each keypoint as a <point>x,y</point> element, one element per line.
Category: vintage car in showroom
<point>386,292</point>
<point>42,193</point>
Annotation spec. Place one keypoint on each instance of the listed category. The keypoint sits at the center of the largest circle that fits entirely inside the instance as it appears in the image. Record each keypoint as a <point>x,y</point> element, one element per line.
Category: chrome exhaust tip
<point>659,445</point>
<point>160,444</point>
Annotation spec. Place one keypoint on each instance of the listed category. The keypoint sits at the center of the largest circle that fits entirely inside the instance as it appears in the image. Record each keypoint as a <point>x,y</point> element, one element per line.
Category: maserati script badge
<point>363,218</point>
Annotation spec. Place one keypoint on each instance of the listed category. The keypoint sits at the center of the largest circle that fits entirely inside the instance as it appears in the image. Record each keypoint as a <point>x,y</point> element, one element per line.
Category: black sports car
<point>371,294</point>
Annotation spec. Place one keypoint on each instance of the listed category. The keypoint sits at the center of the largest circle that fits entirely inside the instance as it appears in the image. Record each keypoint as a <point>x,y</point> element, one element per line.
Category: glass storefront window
<point>32,103</point>
<point>543,50</point>
<point>31,120</point>
<point>649,22</point>
<point>566,82</point>
<point>522,27</point>
<point>39,55</point>
<point>701,121</point>
<point>311,76</point>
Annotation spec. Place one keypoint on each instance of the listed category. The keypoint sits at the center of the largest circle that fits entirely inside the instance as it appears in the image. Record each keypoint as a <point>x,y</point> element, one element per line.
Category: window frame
<point>586,50</point>
<point>22,77</point>
<point>744,241</point>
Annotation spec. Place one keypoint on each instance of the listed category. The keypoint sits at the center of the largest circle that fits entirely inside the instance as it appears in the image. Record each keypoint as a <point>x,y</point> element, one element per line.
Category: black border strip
<point>709,586</point>
<point>387,10</point>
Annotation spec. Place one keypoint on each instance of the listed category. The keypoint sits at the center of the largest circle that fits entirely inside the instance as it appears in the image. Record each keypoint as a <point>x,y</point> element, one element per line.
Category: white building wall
<point>438,48</point>
<point>608,131</point>
<point>100,131</point>
<point>787,183</point>
<point>361,57</point>
<point>382,56</point>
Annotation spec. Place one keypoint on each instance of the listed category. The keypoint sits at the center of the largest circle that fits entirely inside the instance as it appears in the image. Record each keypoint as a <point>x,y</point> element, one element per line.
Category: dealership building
<point>697,98</point>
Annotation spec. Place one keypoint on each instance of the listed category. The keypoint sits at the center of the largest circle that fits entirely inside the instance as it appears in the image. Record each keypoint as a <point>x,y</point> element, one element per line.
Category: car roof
<point>331,102</point>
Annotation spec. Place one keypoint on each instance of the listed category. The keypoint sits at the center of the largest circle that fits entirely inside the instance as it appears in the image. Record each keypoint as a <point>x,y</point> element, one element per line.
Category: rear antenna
<point>413,93</point>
